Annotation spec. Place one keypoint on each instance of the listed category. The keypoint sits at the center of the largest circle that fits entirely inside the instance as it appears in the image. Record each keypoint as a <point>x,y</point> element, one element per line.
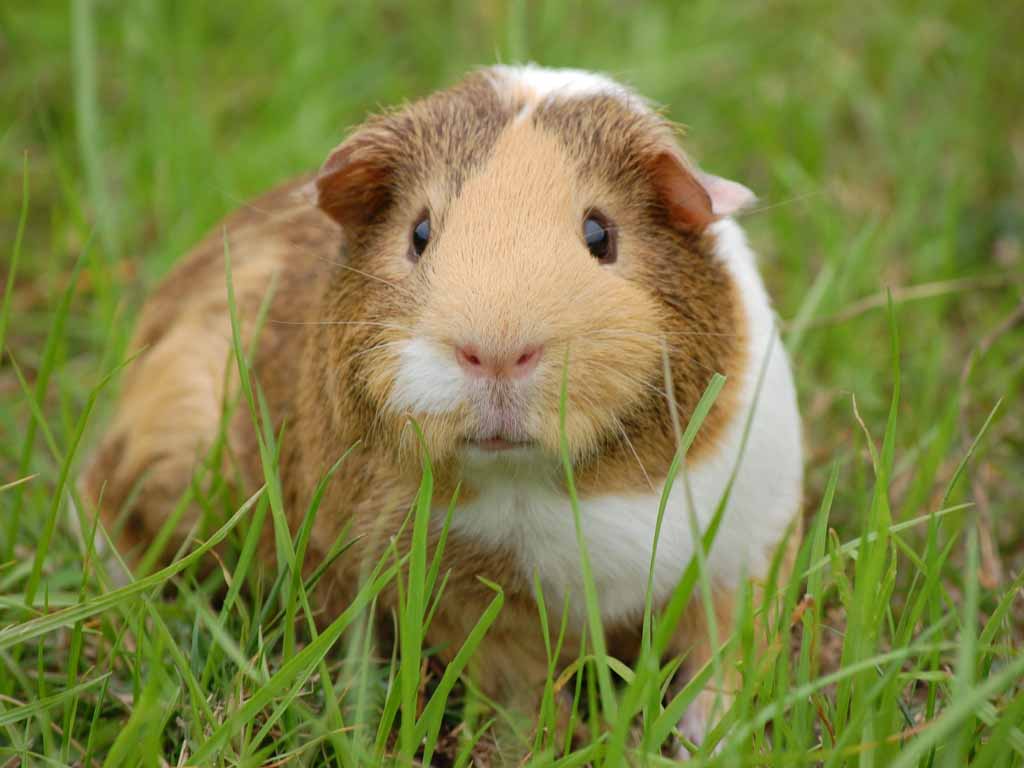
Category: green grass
<point>886,142</point>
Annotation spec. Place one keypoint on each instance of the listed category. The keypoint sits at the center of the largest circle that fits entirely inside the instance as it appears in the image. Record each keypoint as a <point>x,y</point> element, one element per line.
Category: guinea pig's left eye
<point>599,235</point>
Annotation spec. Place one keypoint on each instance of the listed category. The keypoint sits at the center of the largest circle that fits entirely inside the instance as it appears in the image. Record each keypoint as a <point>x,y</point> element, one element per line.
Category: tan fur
<point>173,394</point>
<point>500,191</point>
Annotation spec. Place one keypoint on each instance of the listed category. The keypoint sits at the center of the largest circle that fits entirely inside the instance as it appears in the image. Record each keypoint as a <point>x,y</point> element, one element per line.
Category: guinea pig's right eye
<point>420,238</point>
<point>599,236</point>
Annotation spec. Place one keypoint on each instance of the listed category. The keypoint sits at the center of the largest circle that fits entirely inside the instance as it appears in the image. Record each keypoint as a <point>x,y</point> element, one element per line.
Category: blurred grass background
<point>884,139</point>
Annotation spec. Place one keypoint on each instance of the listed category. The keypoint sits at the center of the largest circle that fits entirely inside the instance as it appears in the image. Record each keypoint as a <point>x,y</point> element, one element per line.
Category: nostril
<point>468,357</point>
<point>526,361</point>
<point>528,357</point>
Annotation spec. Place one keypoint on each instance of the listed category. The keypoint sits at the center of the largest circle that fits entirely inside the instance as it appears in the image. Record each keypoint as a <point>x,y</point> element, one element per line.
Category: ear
<point>695,199</point>
<point>354,183</point>
<point>727,197</point>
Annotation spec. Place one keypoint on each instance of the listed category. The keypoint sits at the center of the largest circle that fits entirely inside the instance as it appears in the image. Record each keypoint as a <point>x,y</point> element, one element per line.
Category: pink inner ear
<point>727,197</point>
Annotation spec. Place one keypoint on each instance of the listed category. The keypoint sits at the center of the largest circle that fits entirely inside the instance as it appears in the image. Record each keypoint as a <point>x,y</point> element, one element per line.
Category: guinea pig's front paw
<point>697,721</point>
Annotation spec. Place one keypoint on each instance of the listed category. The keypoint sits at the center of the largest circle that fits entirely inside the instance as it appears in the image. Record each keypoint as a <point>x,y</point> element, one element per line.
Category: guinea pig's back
<point>278,242</point>
<point>170,411</point>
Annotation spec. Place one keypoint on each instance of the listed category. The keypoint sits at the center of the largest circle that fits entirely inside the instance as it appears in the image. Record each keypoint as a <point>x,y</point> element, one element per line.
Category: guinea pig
<point>461,262</point>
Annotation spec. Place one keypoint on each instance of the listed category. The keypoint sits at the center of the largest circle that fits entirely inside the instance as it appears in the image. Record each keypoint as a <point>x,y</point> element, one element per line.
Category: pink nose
<point>477,362</point>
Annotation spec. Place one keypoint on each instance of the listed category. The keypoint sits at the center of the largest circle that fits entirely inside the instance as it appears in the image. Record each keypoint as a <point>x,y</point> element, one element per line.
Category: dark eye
<point>420,237</point>
<point>599,236</point>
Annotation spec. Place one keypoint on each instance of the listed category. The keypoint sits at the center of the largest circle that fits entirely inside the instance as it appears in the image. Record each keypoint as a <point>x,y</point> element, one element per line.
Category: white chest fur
<point>534,519</point>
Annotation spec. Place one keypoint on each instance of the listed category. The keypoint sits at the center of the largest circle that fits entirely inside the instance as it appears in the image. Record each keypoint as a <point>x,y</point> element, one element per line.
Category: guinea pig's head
<point>524,226</point>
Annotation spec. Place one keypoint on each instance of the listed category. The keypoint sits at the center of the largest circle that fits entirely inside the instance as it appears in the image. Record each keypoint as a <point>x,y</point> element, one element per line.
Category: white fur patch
<point>429,379</point>
<point>547,83</point>
<point>524,510</point>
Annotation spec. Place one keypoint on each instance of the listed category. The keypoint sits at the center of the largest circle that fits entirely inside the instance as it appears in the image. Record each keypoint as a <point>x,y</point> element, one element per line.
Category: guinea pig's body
<point>464,253</point>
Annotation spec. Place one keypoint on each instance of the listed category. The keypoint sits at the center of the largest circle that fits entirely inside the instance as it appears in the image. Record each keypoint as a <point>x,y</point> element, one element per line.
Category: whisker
<point>598,459</point>
<point>682,351</point>
<point>371,276</point>
<point>659,336</point>
<point>632,448</point>
<point>294,200</point>
<point>629,377</point>
<point>659,392</point>
<point>780,203</point>
<point>374,348</point>
<point>245,204</point>
<point>368,323</point>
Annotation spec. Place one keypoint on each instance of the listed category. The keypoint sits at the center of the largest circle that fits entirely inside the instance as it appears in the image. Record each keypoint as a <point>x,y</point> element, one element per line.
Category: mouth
<point>499,443</point>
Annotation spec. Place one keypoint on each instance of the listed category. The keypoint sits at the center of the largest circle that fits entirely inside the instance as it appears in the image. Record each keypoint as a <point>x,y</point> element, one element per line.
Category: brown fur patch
<point>620,150</point>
